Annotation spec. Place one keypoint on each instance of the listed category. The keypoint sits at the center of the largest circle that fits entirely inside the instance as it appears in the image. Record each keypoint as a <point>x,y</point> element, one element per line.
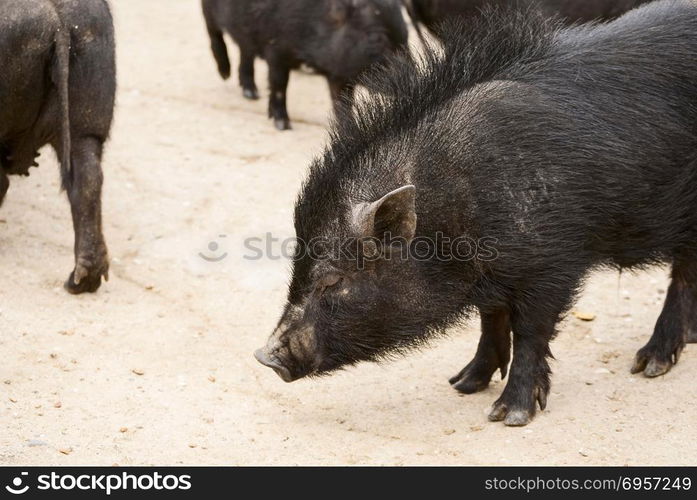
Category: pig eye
<point>328,281</point>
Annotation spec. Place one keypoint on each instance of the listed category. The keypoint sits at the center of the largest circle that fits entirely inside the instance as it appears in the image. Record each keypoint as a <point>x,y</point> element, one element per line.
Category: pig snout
<point>291,350</point>
<point>267,359</point>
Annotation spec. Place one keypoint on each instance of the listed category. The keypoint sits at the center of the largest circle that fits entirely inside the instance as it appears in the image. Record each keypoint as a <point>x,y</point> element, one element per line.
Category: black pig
<point>564,149</point>
<point>57,87</point>
<point>339,39</point>
<point>432,12</point>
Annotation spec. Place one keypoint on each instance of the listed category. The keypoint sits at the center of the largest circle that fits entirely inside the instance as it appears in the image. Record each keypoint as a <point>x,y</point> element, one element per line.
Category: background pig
<point>57,87</point>
<point>431,12</point>
<point>338,38</point>
<point>570,149</point>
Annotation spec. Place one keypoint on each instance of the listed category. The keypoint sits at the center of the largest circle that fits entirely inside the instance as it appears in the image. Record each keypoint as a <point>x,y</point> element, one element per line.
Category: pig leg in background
<point>493,353</point>
<point>675,325</point>
<point>279,73</point>
<point>218,46</point>
<point>4,185</point>
<point>246,73</point>
<point>84,186</point>
<point>692,329</point>
<point>342,95</point>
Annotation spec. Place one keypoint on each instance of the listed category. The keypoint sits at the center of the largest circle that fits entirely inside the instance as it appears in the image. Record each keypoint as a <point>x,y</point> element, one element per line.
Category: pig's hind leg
<point>84,186</point>
<point>493,353</point>
<point>676,325</point>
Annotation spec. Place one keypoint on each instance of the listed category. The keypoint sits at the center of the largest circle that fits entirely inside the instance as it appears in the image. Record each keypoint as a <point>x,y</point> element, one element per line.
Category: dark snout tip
<point>269,361</point>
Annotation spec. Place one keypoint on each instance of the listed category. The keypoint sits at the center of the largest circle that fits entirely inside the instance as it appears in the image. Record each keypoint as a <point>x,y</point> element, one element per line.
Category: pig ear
<point>394,213</point>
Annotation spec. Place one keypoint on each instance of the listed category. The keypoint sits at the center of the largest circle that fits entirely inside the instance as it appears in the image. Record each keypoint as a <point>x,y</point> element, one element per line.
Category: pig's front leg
<point>529,381</point>
<point>84,186</point>
<point>279,74</point>
<point>493,353</point>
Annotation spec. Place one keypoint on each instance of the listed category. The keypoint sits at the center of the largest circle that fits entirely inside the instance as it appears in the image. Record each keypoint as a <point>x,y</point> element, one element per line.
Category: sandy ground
<point>191,161</point>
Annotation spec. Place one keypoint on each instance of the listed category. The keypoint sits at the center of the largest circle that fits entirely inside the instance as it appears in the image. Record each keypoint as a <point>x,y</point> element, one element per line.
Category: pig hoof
<point>282,124</point>
<point>471,379</point>
<point>653,362</point>
<point>517,418</point>
<point>512,418</point>
<point>88,284</point>
<point>498,412</point>
<point>251,94</point>
<point>515,409</point>
<point>657,368</point>
<point>84,280</point>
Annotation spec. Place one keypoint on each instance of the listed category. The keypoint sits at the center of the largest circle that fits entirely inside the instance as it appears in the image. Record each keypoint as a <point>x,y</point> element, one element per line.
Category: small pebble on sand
<point>584,316</point>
